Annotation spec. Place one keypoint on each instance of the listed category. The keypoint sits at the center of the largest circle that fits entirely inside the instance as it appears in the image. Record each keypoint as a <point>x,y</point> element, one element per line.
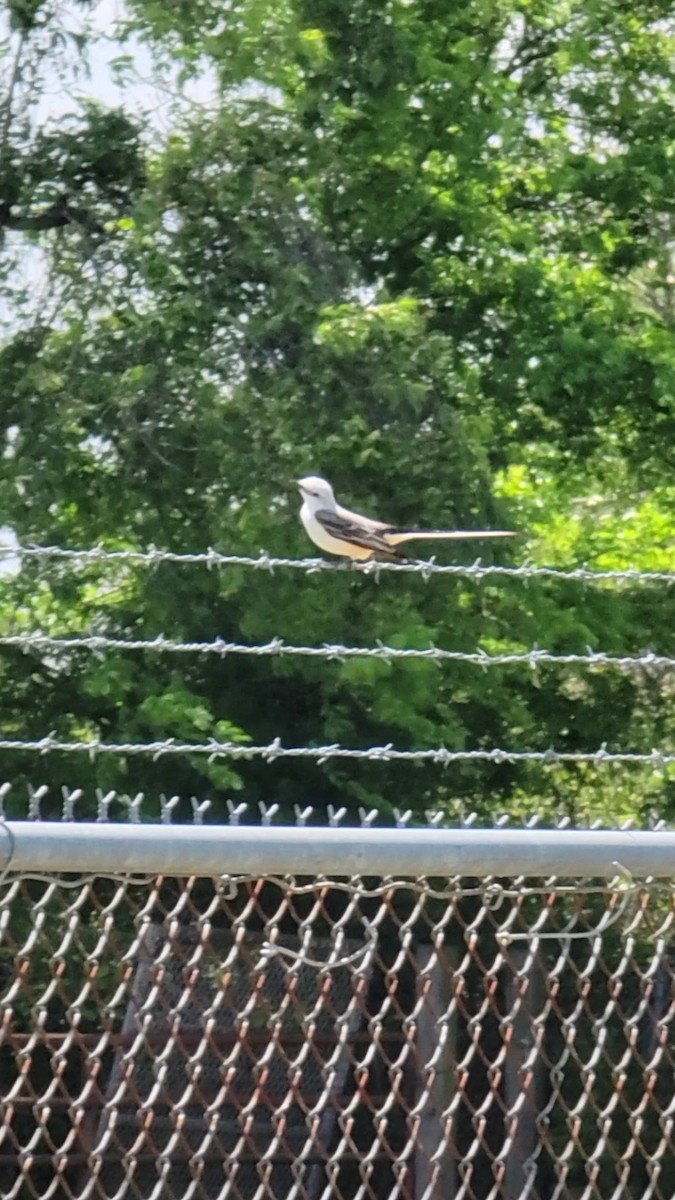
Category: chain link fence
<point>246,1026</point>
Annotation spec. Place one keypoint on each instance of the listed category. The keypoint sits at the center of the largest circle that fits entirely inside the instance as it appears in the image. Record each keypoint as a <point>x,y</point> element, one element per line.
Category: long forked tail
<point>396,536</point>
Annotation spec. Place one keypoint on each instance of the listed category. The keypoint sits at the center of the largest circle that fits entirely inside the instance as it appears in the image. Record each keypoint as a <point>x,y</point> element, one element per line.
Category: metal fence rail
<point>209,850</point>
<point>281,1013</point>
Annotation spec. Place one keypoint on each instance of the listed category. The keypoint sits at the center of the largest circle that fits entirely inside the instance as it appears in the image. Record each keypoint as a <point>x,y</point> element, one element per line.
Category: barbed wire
<point>278,648</point>
<point>439,755</point>
<point>266,562</point>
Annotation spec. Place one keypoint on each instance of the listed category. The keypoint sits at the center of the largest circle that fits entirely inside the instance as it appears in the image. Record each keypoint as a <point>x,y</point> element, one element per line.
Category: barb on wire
<point>277,648</point>
<point>265,562</point>
<point>320,754</point>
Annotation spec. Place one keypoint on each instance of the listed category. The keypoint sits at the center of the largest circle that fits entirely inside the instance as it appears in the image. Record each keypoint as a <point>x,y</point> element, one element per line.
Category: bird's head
<point>316,491</point>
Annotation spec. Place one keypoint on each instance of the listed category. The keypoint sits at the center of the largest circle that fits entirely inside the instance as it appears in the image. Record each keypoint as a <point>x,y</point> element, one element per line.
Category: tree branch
<point>56,216</point>
<point>6,120</point>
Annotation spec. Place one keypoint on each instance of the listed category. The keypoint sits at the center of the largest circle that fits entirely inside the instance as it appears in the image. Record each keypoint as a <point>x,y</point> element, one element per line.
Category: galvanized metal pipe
<point>213,850</point>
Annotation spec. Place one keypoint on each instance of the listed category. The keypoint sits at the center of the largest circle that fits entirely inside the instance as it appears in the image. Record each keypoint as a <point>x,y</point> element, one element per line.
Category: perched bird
<point>351,535</point>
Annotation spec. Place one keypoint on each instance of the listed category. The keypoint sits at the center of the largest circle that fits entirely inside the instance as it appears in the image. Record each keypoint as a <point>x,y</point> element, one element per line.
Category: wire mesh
<point>253,1037</point>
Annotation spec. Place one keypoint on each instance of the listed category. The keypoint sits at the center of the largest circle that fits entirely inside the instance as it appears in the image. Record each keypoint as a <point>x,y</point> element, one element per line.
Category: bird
<point>351,535</point>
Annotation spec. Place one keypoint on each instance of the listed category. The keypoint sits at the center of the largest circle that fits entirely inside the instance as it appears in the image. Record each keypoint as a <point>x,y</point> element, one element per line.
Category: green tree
<point>406,248</point>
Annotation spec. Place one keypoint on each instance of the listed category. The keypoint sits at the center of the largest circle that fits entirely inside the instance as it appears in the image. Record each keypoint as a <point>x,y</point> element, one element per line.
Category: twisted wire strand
<point>278,648</point>
<point>440,755</point>
<point>265,562</point>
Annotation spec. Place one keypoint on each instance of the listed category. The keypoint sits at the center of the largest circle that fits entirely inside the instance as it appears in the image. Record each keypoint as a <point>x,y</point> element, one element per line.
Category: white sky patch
<point>101,75</point>
<point>10,564</point>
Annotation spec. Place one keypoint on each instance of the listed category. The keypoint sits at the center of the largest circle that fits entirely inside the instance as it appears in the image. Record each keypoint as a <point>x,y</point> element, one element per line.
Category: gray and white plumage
<point>351,535</point>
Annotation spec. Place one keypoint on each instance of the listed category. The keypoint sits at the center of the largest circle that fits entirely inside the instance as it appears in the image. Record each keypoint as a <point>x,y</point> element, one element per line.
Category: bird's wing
<point>366,522</point>
<point>350,529</point>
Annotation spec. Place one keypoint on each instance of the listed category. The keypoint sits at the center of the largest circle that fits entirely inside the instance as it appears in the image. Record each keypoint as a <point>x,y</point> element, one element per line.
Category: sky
<point>103,22</point>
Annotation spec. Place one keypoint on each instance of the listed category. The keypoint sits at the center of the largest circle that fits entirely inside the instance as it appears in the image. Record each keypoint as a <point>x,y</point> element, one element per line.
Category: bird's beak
<point>298,484</point>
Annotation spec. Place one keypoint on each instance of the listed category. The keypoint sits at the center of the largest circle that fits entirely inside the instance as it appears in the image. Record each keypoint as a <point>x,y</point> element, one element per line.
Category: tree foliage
<point>426,253</point>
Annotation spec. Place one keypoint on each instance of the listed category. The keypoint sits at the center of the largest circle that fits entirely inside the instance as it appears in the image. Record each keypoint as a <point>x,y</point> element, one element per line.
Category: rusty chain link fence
<point>252,1029</point>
